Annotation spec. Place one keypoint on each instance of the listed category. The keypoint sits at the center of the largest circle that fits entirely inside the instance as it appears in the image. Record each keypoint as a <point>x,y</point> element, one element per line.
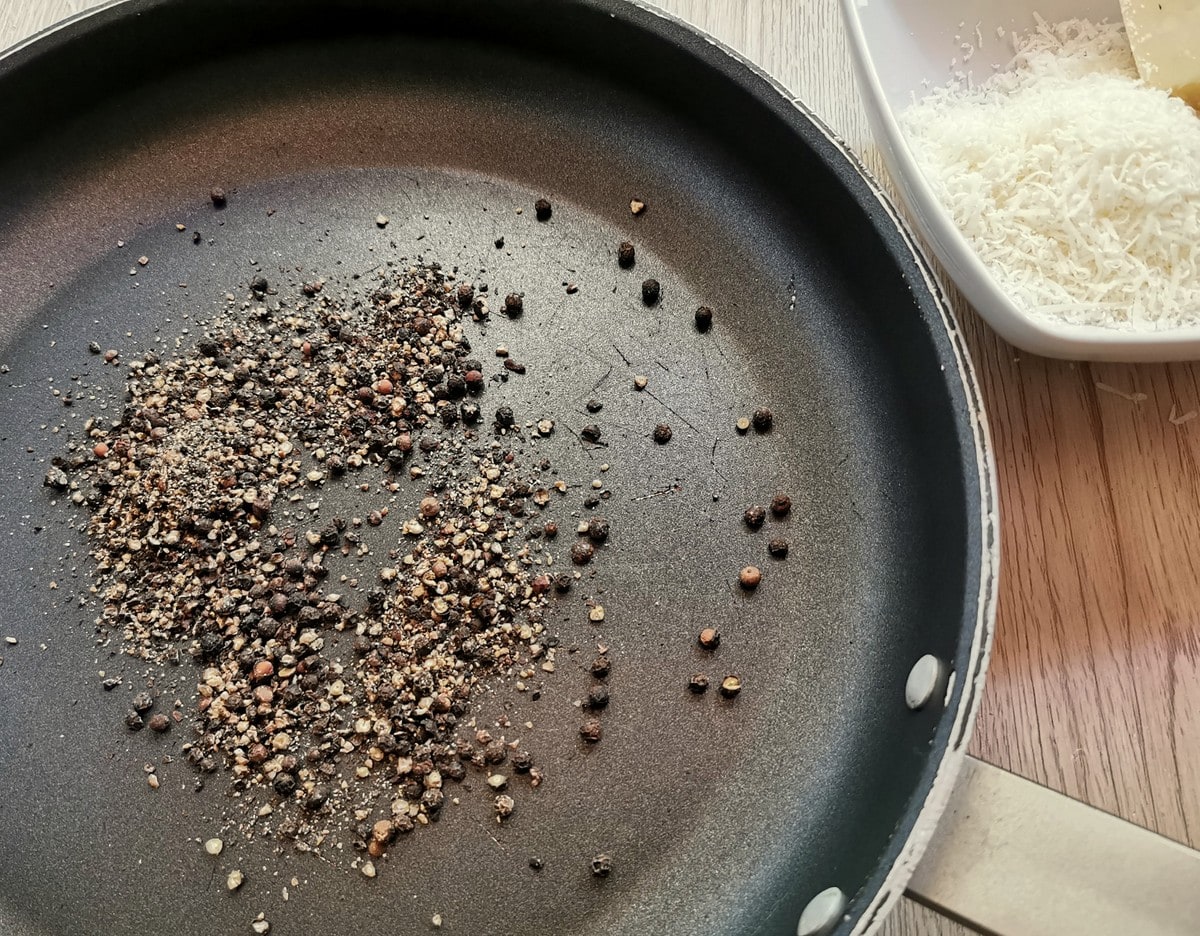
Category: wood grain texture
<point>1095,684</point>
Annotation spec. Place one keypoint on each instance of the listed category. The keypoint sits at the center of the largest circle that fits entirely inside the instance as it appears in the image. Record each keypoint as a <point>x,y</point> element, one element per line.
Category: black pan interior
<point>449,117</point>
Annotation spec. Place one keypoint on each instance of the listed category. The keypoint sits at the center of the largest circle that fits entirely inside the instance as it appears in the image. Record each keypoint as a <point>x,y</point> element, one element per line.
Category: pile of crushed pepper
<point>204,501</point>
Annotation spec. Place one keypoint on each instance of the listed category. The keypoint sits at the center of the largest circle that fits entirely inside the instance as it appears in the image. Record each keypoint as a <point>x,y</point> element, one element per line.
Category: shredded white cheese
<point>1077,184</point>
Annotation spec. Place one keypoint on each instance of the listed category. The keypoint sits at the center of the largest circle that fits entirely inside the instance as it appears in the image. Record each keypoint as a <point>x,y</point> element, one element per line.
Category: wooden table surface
<point>1094,687</point>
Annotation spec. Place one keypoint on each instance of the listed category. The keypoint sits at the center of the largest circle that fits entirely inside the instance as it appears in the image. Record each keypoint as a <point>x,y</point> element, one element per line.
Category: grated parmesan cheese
<point>1077,184</point>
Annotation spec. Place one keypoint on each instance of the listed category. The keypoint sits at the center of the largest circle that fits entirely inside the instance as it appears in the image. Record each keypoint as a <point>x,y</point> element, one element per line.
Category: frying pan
<point>451,118</point>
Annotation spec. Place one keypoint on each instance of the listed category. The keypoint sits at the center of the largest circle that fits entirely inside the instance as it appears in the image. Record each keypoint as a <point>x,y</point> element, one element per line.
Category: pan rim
<point>886,885</point>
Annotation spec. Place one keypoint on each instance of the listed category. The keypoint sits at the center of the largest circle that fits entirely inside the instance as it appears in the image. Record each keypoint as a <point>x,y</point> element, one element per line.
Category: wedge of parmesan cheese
<point>1165,36</point>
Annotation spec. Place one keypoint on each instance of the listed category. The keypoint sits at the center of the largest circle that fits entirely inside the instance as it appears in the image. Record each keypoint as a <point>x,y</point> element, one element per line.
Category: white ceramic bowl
<point>902,48</point>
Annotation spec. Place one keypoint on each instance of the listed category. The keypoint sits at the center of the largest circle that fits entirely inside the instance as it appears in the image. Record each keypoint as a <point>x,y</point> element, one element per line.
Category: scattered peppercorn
<point>597,697</point>
<point>160,723</point>
<point>763,419</point>
<point>601,666</point>
<point>514,305</point>
<point>542,209</point>
<point>536,863</point>
<point>133,721</point>
<point>602,866</point>
<point>710,638</point>
<point>626,255</point>
<point>781,505</point>
<point>778,548</point>
<point>591,730</point>
<point>218,197</point>
<point>522,762</point>
<point>755,516</point>
<point>704,318</point>
<point>730,686</point>
<point>143,702</point>
<point>582,552</point>
<point>698,684</point>
<point>749,577</point>
<point>651,291</point>
<point>499,243</point>
<point>590,433</point>
<point>598,529</point>
<point>662,433</point>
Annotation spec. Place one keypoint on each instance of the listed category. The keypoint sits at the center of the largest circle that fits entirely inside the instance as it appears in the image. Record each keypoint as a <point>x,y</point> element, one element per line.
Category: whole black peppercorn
<point>259,284</point>
<point>218,196</point>
<point>597,697</point>
<point>778,548</point>
<point>762,420</point>
<point>704,318</point>
<point>698,684</point>
<point>594,406</point>
<point>602,866</point>
<point>143,702</point>
<point>470,413</point>
<point>505,418</point>
<point>598,529</point>
<point>591,730</point>
<point>626,255</point>
<point>590,433</point>
<point>159,723</point>
<point>522,761</point>
<point>662,433</point>
<point>465,293</point>
<point>651,291</point>
<point>285,784</point>
<point>514,305</point>
<point>781,505</point>
<point>211,644</point>
<point>542,209</point>
<point>133,721</point>
<point>582,552</point>
<point>536,863</point>
<point>754,517</point>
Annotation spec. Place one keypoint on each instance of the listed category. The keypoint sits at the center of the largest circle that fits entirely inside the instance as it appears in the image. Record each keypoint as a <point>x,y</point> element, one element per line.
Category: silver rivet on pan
<point>923,680</point>
<point>822,913</point>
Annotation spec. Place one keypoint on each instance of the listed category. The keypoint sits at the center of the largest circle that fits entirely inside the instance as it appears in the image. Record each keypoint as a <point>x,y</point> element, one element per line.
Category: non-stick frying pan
<point>451,119</point>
